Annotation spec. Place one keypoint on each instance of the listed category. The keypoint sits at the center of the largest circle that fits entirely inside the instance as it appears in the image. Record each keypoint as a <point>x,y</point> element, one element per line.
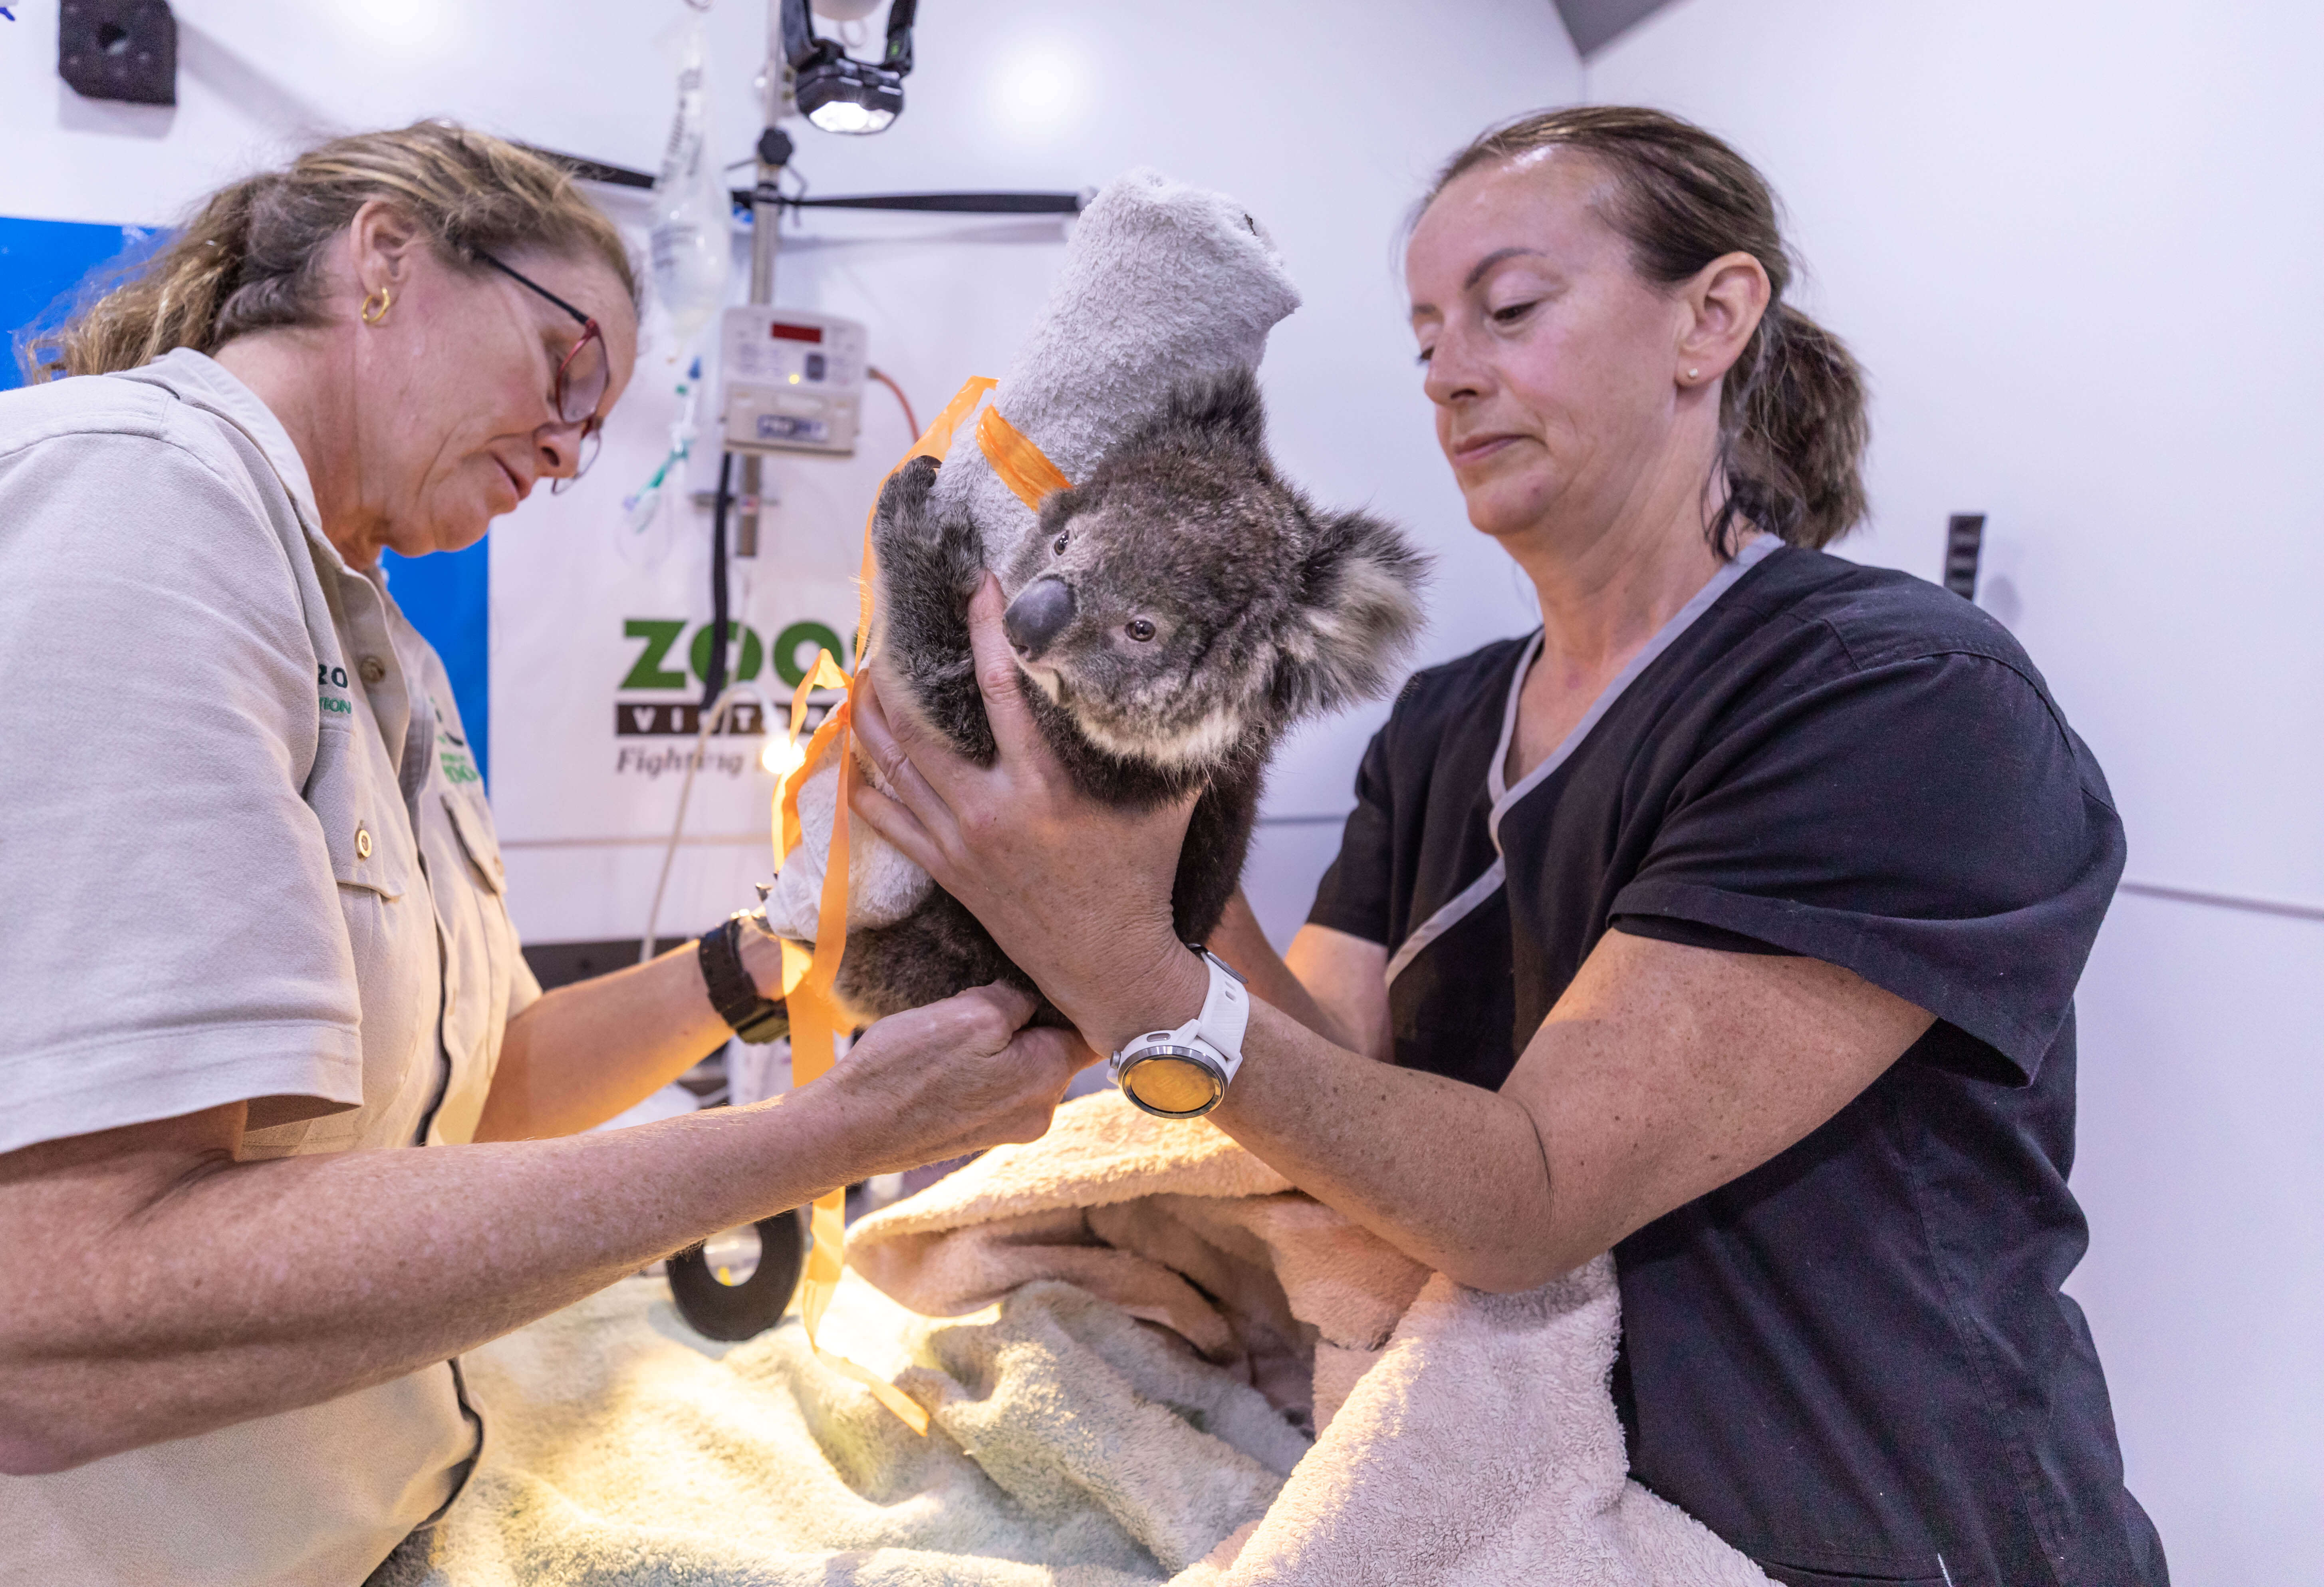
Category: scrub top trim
<point>1489,882</point>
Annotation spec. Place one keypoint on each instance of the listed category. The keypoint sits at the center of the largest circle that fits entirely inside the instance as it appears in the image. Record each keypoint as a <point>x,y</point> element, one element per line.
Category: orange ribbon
<point>807,981</point>
<point>1020,464</point>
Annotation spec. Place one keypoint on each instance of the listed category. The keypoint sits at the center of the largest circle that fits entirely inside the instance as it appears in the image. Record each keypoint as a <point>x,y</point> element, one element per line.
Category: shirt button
<point>372,668</point>
<point>363,843</point>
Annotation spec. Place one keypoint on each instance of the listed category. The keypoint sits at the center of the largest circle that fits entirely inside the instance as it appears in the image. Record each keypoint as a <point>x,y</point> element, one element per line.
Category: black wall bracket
<point>124,50</point>
<point>1964,540</point>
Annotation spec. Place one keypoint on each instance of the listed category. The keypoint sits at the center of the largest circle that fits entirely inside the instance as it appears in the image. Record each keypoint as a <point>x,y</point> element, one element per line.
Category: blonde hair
<point>252,255</point>
<point>1792,423</point>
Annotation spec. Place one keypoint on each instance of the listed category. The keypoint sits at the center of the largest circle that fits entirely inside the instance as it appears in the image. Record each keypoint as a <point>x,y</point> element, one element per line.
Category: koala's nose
<point>1038,616</point>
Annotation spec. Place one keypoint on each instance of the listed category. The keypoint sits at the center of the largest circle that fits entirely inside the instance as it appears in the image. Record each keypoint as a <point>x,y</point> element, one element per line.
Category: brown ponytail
<point>1795,459</point>
<point>1792,429</point>
<point>252,255</point>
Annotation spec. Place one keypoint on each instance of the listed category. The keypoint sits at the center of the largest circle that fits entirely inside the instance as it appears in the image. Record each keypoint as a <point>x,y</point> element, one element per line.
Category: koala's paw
<point>902,519</point>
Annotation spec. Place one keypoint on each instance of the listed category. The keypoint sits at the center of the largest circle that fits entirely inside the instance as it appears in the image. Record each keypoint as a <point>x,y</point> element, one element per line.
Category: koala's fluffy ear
<point>1358,615</point>
<point>1226,409</point>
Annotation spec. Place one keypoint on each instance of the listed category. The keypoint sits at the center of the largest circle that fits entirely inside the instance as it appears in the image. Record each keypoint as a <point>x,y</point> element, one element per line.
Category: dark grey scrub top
<point>1855,1362</point>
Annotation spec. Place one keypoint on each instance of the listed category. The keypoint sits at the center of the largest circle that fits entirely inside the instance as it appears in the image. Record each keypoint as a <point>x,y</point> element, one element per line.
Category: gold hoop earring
<point>385,300</point>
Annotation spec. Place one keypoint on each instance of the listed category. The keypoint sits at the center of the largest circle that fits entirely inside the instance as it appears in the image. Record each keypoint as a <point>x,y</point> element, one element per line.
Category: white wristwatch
<point>1183,1074</point>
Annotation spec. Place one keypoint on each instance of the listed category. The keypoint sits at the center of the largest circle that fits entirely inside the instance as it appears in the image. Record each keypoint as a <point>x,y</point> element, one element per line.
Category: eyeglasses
<point>582,376</point>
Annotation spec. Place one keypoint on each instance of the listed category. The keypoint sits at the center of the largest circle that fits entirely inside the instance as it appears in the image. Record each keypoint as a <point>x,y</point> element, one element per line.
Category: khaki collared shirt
<point>244,856</point>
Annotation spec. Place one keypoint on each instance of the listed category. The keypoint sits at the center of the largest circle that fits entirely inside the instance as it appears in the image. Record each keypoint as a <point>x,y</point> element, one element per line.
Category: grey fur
<point>1264,611</point>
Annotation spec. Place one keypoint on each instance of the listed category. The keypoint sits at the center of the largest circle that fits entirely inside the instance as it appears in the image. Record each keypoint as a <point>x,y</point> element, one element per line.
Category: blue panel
<point>447,596</point>
<point>42,263</point>
<point>42,266</point>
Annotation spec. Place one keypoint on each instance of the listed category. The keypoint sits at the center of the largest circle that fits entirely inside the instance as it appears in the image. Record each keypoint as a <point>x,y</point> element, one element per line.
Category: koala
<point>1174,614</point>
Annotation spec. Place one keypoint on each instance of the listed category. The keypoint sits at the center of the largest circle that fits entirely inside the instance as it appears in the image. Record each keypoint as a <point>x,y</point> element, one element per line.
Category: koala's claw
<point>902,514</point>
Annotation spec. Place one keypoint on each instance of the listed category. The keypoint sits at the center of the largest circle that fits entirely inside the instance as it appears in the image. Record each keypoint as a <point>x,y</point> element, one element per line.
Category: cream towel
<point>1071,1447</point>
<point>1467,1438</point>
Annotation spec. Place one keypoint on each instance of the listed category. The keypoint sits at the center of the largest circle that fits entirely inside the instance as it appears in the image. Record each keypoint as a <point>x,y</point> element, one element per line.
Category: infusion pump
<point>794,379</point>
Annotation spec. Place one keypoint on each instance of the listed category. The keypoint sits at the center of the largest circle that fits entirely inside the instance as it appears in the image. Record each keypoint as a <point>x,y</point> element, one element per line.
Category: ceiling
<point>1593,22</point>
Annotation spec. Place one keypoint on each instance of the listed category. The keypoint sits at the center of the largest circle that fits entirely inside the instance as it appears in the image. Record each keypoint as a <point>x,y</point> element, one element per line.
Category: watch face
<point>1180,1087</point>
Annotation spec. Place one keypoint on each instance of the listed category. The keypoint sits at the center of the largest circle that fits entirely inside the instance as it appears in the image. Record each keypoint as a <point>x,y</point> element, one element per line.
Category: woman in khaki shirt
<point>255,937</point>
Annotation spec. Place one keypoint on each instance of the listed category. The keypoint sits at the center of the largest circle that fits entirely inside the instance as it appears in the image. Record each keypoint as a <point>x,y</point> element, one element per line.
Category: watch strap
<point>756,1019</point>
<point>1226,1011</point>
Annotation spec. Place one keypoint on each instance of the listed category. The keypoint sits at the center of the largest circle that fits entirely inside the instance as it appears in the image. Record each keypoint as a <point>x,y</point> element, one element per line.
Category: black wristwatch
<point>756,1019</point>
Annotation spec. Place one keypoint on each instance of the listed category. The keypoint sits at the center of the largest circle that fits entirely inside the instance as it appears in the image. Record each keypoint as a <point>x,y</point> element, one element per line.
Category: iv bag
<point>691,234</point>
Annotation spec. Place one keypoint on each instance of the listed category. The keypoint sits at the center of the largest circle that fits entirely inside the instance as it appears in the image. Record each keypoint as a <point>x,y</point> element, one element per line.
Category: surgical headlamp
<point>833,90</point>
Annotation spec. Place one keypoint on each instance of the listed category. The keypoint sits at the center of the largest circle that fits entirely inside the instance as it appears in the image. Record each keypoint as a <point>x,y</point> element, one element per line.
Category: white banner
<point>601,636</point>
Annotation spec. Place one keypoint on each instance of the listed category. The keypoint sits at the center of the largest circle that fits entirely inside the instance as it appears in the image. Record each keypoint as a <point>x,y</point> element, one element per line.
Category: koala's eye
<point>1141,628</point>
<point>1059,547</point>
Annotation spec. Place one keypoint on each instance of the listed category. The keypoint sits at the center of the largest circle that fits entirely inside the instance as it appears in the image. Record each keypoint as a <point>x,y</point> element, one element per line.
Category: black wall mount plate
<point>124,50</point>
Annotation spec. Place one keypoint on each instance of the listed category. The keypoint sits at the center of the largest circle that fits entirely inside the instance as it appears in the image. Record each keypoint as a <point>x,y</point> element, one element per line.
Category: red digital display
<point>795,333</point>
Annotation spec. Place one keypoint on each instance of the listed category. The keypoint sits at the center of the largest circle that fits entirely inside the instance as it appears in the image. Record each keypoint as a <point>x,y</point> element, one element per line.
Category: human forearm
<point>159,1286</point>
<point>231,1290</point>
<point>1242,941</point>
<point>1451,1175</point>
<point>1333,984</point>
<point>585,1052</point>
<point>1662,1074</point>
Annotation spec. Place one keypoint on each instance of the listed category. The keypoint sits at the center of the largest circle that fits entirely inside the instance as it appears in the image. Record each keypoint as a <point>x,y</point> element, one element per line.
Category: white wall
<point>2075,244</point>
<point>2203,1166</point>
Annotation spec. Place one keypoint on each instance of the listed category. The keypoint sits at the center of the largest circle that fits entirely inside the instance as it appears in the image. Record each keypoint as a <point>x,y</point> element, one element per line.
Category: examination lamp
<point>836,92</point>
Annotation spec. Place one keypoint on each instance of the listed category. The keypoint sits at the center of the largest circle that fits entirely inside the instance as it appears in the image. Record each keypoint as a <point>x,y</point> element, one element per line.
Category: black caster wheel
<point>727,1292</point>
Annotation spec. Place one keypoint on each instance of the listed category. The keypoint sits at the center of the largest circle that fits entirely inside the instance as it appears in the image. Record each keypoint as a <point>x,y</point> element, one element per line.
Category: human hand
<point>953,1078</point>
<point>1075,891</point>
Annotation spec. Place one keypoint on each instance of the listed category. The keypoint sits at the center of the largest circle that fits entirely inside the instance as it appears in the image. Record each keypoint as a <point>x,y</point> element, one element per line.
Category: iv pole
<point>774,151</point>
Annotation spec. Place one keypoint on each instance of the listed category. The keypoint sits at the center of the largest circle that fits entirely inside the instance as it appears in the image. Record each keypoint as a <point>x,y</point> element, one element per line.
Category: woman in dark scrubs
<point>1730,921</point>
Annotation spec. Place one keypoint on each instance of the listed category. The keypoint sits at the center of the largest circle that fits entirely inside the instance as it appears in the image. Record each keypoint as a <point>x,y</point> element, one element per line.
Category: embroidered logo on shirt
<point>452,751</point>
<point>458,768</point>
<point>328,678</point>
